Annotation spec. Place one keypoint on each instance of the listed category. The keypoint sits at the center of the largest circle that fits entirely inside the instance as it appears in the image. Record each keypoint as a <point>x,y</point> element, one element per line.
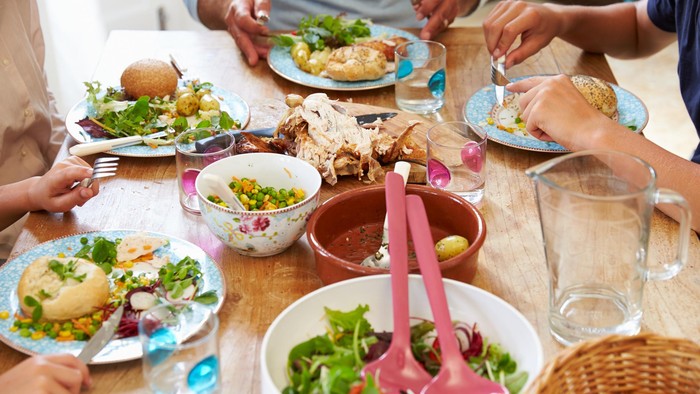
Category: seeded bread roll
<point>597,92</point>
<point>149,77</point>
<point>63,299</point>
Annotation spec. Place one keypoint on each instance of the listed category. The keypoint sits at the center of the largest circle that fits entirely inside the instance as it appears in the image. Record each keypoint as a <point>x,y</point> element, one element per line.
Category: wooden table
<point>512,263</point>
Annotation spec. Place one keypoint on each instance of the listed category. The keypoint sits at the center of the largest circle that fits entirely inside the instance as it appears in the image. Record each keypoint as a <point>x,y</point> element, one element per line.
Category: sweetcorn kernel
<point>4,315</point>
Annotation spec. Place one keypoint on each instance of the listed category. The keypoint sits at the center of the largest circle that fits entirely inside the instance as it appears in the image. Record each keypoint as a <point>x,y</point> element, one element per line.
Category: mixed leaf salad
<point>112,116</point>
<point>332,363</point>
<point>137,284</point>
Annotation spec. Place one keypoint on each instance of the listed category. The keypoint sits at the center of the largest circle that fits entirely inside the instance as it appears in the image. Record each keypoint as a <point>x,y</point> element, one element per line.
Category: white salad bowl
<point>498,321</point>
<point>260,233</point>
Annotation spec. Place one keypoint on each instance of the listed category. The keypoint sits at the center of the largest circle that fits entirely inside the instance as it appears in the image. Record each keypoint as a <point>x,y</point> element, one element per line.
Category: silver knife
<point>501,90</point>
<point>102,336</point>
<point>203,144</point>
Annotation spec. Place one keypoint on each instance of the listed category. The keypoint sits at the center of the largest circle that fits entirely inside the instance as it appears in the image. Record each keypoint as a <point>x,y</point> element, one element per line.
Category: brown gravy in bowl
<point>357,243</point>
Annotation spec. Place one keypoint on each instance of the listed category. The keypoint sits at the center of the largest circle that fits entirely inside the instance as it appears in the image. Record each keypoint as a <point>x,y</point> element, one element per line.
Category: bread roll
<point>356,63</point>
<point>63,299</point>
<point>597,92</point>
<point>149,77</point>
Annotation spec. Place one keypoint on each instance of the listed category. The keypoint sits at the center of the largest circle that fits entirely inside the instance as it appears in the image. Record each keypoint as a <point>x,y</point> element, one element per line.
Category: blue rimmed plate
<point>116,350</point>
<point>230,102</point>
<point>483,110</point>
<point>281,62</point>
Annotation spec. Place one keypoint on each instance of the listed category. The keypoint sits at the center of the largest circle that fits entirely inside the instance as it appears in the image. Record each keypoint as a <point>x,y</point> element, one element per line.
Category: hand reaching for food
<point>55,373</point>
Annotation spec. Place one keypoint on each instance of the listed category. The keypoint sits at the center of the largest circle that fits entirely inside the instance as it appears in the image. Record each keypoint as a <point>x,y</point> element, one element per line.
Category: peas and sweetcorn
<point>255,197</point>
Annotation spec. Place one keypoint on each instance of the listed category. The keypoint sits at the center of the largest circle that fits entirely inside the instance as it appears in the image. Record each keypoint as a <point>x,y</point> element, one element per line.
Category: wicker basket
<point>644,363</point>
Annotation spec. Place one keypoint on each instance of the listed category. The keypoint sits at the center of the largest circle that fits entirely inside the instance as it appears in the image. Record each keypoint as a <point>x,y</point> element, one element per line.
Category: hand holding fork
<point>103,167</point>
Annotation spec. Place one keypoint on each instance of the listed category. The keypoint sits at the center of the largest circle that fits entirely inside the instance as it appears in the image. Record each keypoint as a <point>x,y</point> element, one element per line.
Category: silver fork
<point>102,168</point>
<point>497,76</point>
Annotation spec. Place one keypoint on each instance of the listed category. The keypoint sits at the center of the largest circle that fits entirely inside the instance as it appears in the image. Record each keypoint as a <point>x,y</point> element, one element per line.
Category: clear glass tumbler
<point>420,76</point>
<point>457,159</point>
<point>194,150</point>
<point>181,348</point>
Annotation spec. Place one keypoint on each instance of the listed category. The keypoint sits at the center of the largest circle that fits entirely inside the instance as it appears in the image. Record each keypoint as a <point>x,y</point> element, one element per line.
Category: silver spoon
<point>380,259</point>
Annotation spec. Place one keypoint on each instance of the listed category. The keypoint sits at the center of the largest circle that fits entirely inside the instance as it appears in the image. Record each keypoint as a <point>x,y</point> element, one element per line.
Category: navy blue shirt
<point>682,17</point>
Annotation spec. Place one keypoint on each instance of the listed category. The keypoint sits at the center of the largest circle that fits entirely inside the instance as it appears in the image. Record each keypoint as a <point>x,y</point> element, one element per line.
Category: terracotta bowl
<point>347,228</point>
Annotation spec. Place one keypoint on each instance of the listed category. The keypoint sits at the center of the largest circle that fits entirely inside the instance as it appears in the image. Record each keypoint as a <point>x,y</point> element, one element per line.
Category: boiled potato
<point>182,90</point>
<point>208,103</point>
<point>300,54</point>
<point>202,92</point>
<point>450,247</point>
<point>187,104</point>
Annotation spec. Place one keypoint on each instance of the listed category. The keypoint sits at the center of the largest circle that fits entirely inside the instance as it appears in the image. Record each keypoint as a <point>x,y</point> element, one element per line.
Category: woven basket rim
<point>619,363</point>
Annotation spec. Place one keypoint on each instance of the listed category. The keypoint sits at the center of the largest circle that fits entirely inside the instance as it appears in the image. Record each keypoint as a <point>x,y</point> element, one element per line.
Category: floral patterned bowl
<point>261,233</point>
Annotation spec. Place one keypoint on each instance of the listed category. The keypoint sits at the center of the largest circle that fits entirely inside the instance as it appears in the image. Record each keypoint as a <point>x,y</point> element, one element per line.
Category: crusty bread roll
<point>149,77</point>
<point>356,63</point>
<point>597,92</point>
<point>63,299</point>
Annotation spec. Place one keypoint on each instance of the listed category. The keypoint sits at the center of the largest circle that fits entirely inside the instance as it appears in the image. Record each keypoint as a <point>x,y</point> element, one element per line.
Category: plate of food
<point>54,297</point>
<point>152,101</point>
<point>332,63</point>
<point>503,123</point>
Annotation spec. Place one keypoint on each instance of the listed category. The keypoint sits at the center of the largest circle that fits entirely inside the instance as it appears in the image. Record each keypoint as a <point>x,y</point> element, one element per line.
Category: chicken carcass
<point>322,134</point>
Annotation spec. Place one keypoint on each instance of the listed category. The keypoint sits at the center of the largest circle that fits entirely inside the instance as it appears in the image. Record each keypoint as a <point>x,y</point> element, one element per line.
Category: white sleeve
<point>191,6</point>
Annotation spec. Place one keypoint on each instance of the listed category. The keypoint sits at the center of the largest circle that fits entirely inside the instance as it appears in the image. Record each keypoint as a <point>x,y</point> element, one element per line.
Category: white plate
<point>280,61</point>
<point>118,349</point>
<point>232,103</point>
<point>497,320</point>
<point>482,107</point>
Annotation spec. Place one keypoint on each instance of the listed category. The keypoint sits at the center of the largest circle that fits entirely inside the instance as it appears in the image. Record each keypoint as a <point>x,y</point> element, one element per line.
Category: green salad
<point>112,116</point>
<point>332,363</point>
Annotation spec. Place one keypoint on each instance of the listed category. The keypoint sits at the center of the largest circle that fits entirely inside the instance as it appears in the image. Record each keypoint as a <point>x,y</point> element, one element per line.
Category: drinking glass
<point>180,348</point>
<point>420,76</point>
<point>595,210</point>
<point>190,161</point>
<point>457,159</point>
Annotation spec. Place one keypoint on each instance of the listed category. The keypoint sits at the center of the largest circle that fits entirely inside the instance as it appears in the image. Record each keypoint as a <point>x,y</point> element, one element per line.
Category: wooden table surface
<point>511,265</point>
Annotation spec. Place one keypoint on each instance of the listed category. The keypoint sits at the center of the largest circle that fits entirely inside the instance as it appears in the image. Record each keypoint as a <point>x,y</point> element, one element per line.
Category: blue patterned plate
<point>118,349</point>
<point>232,103</point>
<point>281,62</point>
<point>482,109</point>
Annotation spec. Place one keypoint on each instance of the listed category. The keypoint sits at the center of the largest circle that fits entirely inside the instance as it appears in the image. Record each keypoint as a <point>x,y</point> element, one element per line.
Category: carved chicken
<point>319,131</point>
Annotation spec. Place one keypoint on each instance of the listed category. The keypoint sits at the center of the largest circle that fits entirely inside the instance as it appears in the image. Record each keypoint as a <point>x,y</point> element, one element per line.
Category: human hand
<point>50,374</point>
<point>241,23</point>
<point>440,14</point>
<point>52,192</point>
<point>535,24</point>
<point>554,110</point>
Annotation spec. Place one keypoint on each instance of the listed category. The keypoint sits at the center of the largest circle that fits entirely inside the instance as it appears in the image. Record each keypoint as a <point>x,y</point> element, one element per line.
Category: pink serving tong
<point>455,376</point>
<point>396,370</point>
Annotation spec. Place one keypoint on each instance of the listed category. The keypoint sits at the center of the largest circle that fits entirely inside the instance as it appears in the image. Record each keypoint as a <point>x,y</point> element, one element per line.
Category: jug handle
<point>666,196</point>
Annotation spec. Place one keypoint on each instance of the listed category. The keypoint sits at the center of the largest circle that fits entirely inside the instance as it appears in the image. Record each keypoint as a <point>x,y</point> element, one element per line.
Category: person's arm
<point>553,109</point>
<point>238,17</point>
<point>51,192</point>
<point>49,374</point>
<point>622,30</point>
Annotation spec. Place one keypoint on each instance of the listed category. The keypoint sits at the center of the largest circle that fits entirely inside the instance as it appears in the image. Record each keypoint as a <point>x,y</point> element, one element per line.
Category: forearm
<point>609,29</point>
<point>212,13</point>
<point>673,172</point>
<point>14,201</point>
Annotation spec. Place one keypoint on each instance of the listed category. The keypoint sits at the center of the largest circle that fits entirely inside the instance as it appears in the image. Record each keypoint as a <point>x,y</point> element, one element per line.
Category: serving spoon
<point>454,376</point>
<point>218,186</point>
<point>380,259</point>
<point>397,370</point>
